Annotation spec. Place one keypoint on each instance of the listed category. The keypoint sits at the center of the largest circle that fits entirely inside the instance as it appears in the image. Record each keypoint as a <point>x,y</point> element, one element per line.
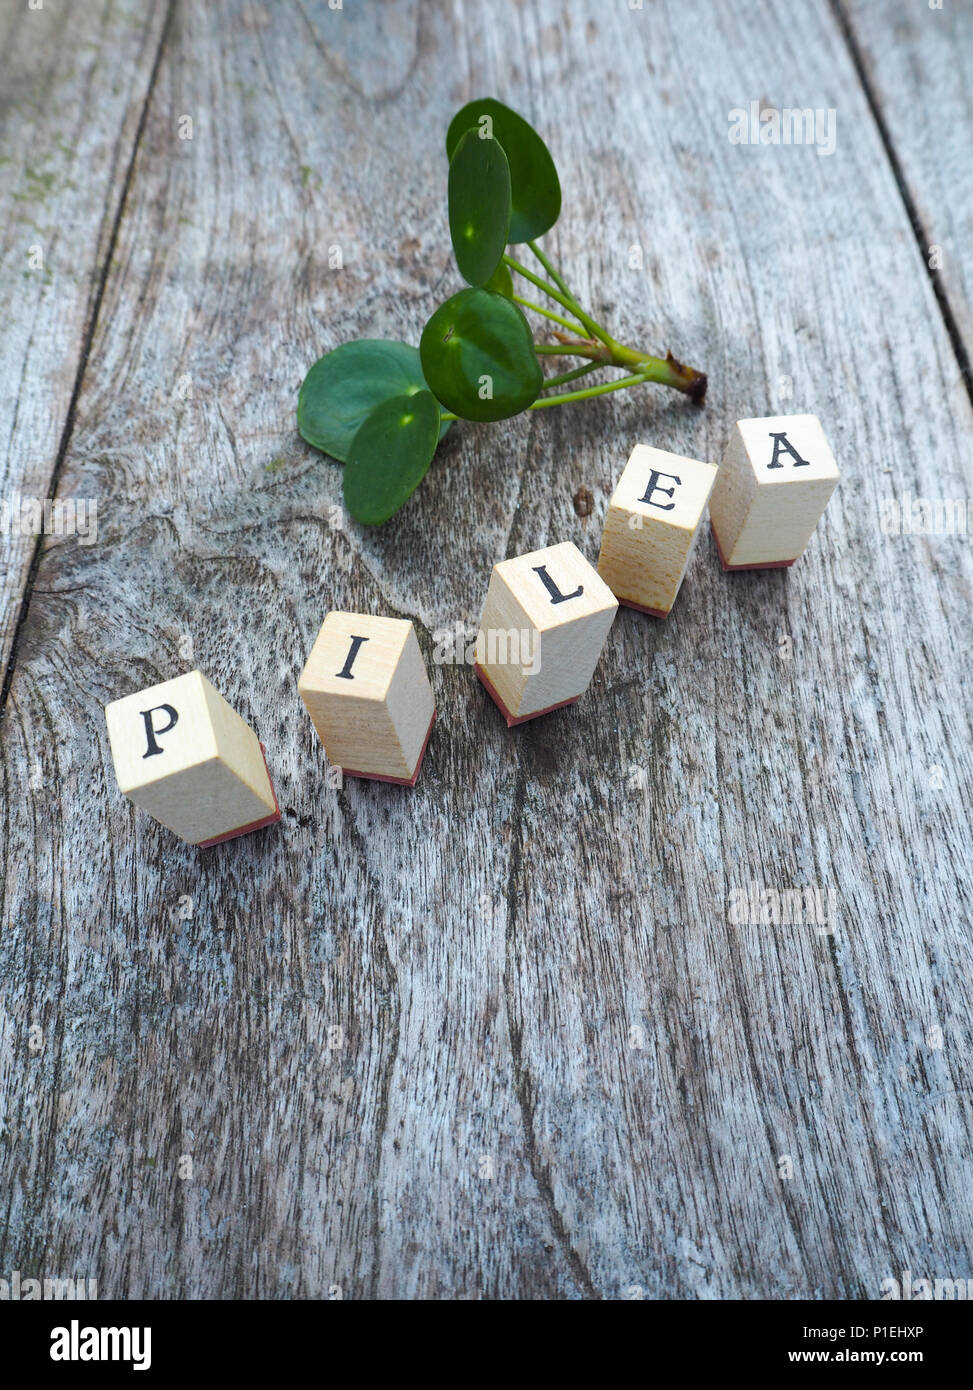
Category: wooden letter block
<point>774,482</point>
<point>182,754</point>
<point>369,698</point>
<point>650,531</point>
<point>544,624</point>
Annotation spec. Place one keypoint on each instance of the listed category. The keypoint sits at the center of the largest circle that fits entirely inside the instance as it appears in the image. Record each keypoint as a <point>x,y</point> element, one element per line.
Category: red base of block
<point>396,781</point>
<point>764,565</point>
<point>512,719</point>
<point>641,608</point>
<point>254,825</point>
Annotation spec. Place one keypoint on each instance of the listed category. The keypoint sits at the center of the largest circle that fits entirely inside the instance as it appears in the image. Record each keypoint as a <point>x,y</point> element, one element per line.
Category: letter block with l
<point>366,689</point>
<point>544,624</point>
<point>773,485</point>
<point>185,756</point>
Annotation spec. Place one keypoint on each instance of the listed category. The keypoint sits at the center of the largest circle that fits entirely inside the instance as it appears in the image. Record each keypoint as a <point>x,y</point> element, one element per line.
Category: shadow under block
<point>650,532</point>
<point>774,482</point>
<point>366,689</point>
<point>544,624</point>
<point>185,756</point>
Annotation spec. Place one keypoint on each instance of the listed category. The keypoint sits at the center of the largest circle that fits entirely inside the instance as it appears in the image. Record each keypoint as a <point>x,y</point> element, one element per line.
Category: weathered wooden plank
<point>499,1036</point>
<point>918,63</point>
<point>73,80</point>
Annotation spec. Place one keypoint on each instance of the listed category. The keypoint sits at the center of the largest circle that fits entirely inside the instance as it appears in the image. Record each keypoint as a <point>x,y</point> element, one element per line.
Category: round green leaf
<point>479,205</point>
<point>502,282</point>
<point>344,386</point>
<point>478,356</point>
<point>534,188</point>
<point>389,456</point>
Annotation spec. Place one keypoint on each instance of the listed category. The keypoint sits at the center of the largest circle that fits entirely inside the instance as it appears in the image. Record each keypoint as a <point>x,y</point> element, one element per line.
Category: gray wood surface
<point>496,1037</point>
<point>73,85</point>
<point>916,61</point>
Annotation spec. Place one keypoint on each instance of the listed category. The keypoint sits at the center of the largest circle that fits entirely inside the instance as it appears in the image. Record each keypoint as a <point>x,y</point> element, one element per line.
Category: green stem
<point>552,271</point>
<point>600,348</point>
<point>566,396</point>
<point>572,375</point>
<point>666,370</point>
<point>597,352</point>
<point>552,293</point>
<point>539,309</point>
<point>594,328</point>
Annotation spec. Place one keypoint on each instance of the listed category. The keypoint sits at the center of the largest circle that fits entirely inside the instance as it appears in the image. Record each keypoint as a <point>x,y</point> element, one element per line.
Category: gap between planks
<point>950,323</point>
<point>85,350</point>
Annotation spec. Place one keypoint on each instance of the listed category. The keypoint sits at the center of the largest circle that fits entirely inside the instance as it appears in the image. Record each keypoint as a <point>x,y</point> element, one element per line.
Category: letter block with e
<point>650,532</point>
<point>774,483</point>
<point>366,689</point>
<point>185,756</point>
<point>544,623</point>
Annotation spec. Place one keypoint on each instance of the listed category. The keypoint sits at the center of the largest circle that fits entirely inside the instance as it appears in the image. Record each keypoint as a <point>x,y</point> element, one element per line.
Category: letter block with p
<point>774,483</point>
<point>182,754</point>
<point>650,532</point>
<point>366,689</point>
<point>544,623</point>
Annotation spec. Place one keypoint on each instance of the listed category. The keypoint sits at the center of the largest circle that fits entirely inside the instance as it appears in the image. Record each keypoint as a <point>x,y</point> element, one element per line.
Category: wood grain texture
<point>917,62</point>
<point>499,1036</point>
<point>73,84</point>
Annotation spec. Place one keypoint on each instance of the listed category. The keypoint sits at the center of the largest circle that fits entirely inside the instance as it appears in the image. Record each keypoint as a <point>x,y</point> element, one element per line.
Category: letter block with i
<point>650,532</point>
<point>774,483</point>
<point>544,624</point>
<point>369,698</point>
<point>185,756</point>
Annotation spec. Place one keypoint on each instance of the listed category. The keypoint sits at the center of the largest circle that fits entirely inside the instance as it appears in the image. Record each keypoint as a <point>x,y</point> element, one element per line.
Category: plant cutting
<point>382,407</point>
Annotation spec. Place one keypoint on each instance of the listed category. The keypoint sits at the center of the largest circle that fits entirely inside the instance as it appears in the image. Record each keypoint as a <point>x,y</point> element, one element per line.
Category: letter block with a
<point>774,483</point>
<point>650,531</point>
<point>185,756</point>
<point>369,698</point>
<point>544,624</point>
